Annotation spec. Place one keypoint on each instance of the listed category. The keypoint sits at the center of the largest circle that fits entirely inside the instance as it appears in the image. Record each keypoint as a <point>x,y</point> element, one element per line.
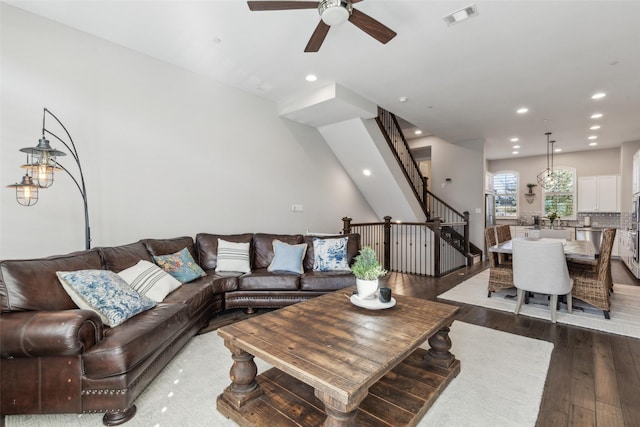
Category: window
<point>561,198</point>
<point>505,185</point>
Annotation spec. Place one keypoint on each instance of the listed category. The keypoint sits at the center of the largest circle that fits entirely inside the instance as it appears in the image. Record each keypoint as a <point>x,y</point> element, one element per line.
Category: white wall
<point>587,163</point>
<point>165,152</point>
<point>627,150</point>
<point>464,165</point>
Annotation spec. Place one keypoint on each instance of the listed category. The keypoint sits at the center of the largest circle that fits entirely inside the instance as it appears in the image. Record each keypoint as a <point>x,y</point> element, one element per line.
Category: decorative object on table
<point>530,195</point>
<point>367,270</point>
<point>41,165</point>
<point>553,215</point>
<point>384,294</point>
<point>547,178</point>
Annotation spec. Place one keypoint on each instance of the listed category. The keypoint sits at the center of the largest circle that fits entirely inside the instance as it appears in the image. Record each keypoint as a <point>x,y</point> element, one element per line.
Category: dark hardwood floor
<point>593,378</point>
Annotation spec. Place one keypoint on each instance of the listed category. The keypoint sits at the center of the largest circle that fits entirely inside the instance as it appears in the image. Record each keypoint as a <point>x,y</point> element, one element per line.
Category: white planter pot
<point>367,288</point>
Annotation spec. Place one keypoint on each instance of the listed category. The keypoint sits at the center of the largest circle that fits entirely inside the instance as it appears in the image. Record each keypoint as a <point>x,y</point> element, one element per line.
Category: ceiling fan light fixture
<point>461,15</point>
<point>335,12</point>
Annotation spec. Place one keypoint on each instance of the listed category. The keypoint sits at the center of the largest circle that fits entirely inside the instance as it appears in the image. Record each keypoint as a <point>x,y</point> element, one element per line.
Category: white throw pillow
<point>150,280</point>
<point>233,257</point>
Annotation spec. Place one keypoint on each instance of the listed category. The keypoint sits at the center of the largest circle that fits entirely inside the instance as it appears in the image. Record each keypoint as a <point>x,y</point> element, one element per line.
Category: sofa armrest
<point>48,333</point>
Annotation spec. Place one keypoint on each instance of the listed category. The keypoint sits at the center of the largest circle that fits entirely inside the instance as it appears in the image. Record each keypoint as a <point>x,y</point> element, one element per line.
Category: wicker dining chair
<point>528,276</point>
<point>503,233</point>
<point>593,287</point>
<point>592,264</point>
<point>500,274</point>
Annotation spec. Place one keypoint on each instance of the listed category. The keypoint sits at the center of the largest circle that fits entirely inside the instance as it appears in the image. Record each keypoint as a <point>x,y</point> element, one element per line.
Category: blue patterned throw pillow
<point>180,265</point>
<point>105,293</point>
<point>330,254</point>
<point>287,257</point>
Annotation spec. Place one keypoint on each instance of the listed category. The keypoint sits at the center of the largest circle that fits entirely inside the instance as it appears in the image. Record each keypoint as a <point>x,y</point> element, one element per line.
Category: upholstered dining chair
<point>500,274</point>
<point>594,286</point>
<point>540,266</point>
<point>503,233</point>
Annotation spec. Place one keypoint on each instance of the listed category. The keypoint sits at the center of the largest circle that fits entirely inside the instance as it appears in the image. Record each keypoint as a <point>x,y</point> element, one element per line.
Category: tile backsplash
<point>598,219</point>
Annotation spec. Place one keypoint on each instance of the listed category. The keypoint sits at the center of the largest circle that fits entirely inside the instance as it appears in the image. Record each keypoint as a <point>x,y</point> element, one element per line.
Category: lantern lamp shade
<point>41,173</point>
<point>26,191</point>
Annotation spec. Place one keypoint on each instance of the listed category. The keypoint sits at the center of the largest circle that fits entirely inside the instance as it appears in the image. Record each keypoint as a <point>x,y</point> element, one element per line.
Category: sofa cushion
<point>330,254</point>
<point>180,265</point>
<point>126,346</point>
<point>158,247</point>
<point>207,247</point>
<point>326,280</point>
<point>353,247</point>
<point>118,258</point>
<point>233,256</point>
<point>105,293</point>
<point>150,280</point>
<point>287,257</point>
<point>265,280</point>
<point>263,247</point>
<point>33,284</point>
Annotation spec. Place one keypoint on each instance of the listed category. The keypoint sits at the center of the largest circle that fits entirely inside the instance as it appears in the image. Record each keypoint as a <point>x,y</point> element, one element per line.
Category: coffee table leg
<point>340,414</point>
<point>243,378</point>
<point>439,354</point>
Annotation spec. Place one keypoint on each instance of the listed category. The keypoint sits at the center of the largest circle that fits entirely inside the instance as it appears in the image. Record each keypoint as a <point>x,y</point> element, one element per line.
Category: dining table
<point>573,249</point>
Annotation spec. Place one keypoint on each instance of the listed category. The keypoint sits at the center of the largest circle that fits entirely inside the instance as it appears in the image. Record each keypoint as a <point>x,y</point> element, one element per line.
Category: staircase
<point>432,206</point>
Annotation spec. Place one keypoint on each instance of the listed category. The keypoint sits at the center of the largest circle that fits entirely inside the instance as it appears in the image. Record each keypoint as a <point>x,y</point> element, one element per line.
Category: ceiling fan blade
<point>372,27</point>
<point>317,37</point>
<point>281,5</point>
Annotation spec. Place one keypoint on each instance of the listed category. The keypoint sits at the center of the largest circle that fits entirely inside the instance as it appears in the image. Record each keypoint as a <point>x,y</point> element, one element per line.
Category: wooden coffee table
<point>338,364</point>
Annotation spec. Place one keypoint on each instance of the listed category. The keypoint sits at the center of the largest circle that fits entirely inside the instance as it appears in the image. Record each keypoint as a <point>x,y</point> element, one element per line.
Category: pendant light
<point>547,178</point>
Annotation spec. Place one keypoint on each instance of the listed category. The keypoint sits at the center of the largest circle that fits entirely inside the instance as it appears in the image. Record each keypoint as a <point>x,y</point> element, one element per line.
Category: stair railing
<point>414,248</point>
<point>432,206</point>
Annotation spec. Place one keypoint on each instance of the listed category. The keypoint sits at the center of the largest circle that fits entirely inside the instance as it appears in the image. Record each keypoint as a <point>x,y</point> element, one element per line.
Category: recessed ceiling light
<point>557,150</point>
<point>595,127</point>
<point>593,144</point>
<point>522,110</point>
<point>596,115</point>
<point>592,137</point>
<point>403,99</point>
<point>514,139</point>
<point>598,95</point>
<point>366,172</point>
<point>311,78</point>
<point>514,152</point>
<point>516,146</point>
<point>418,132</point>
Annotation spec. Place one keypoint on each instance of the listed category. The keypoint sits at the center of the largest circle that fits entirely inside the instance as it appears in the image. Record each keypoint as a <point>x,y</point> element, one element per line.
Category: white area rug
<point>502,376</point>
<point>625,306</point>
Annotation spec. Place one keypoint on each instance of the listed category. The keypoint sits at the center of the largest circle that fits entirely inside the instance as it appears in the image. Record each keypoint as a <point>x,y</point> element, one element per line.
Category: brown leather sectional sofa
<point>57,358</point>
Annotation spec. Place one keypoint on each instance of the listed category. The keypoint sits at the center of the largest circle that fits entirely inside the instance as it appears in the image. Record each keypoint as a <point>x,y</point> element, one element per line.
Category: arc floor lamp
<point>40,168</point>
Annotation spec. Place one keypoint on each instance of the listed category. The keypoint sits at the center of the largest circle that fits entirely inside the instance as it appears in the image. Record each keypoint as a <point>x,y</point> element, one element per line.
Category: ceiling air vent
<point>461,15</point>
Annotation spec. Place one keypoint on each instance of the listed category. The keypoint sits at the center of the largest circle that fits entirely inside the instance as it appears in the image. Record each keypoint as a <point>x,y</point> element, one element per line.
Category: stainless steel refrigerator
<point>489,210</point>
<point>489,214</point>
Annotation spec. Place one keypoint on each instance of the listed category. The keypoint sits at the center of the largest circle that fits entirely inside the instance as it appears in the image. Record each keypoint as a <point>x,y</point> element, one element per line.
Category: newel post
<point>386,264</point>
<point>466,232</point>
<point>346,225</point>
<point>437,229</point>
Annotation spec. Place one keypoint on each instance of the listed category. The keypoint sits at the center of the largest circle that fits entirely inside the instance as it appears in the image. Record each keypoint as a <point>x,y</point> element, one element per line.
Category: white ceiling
<point>463,82</point>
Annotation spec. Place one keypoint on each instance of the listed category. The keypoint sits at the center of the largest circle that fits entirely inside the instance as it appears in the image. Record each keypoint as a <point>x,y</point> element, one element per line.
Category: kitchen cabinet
<point>488,182</point>
<point>598,194</point>
<point>528,231</point>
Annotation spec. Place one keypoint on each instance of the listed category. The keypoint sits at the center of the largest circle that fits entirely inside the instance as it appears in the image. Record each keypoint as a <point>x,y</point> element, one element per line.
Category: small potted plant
<point>367,270</point>
<point>553,215</point>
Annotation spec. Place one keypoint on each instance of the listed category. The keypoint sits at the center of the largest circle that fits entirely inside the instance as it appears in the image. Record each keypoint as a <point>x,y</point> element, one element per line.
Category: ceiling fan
<point>332,12</point>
